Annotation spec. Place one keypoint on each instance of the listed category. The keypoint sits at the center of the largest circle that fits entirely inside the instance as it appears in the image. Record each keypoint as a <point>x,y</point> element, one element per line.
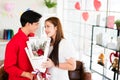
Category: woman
<point>61,57</point>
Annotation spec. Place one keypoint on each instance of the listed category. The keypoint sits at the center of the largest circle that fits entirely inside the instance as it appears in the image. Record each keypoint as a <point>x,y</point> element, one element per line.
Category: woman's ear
<point>56,28</point>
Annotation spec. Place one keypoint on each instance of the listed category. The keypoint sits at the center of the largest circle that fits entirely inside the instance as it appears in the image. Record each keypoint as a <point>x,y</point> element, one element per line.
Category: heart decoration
<point>77,5</point>
<point>85,16</point>
<point>9,7</point>
<point>97,5</point>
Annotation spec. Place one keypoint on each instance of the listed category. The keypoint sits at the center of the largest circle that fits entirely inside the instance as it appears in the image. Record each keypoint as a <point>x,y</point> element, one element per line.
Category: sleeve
<point>67,50</point>
<point>11,60</point>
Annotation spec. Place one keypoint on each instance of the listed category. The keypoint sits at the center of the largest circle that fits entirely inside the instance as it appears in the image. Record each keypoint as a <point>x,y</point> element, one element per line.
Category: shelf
<point>101,74</point>
<point>104,27</point>
<point>3,42</point>
<point>106,47</point>
<point>100,38</point>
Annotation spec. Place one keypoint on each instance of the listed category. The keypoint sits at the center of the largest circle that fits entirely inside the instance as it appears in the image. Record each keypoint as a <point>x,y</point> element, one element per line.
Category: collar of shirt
<point>22,34</point>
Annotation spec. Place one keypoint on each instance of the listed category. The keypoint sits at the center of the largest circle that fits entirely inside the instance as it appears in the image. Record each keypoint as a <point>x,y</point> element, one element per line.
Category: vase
<point>118,27</point>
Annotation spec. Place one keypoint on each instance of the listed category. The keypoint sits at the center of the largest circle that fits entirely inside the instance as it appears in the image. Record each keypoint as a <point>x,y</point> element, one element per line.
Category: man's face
<point>34,26</point>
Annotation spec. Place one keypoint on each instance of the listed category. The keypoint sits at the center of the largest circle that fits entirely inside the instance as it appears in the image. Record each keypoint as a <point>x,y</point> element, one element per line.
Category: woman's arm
<point>70,64</point>
<point>67,53</point>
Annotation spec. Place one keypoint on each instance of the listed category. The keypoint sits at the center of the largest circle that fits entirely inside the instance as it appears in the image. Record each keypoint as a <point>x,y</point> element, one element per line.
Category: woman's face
<point>50,29</point>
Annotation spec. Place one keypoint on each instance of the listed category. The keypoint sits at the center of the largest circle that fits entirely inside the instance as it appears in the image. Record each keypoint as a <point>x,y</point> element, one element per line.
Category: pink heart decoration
<point>9,7</point>
<point>97,5</point>
<point>85,15</point>
<point>77,5</point>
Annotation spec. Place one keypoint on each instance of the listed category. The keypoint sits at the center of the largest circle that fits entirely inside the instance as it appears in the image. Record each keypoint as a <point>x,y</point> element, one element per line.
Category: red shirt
<point>16,60</point>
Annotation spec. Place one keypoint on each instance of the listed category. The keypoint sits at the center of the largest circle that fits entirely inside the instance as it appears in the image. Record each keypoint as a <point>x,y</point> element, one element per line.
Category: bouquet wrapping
<point>37,51</point>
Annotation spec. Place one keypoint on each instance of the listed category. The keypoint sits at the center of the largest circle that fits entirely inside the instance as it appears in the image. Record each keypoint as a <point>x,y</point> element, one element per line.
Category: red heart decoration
<point>97,5</point>
<point>77,5</point>
<point>85,15</point>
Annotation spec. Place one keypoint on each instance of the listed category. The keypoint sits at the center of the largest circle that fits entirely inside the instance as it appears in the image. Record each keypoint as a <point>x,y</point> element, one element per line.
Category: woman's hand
<point>48,64</point>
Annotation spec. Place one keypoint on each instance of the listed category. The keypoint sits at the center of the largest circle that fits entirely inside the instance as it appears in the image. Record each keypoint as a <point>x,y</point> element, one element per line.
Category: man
<point>16,63</point>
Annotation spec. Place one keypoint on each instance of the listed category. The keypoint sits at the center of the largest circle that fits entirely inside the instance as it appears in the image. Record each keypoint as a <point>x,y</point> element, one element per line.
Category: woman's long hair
<point>59,35</point>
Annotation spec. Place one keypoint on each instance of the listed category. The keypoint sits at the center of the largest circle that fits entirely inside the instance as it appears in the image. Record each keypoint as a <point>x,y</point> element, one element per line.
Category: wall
<point>71,13</point>
<point>80,15</point>
<point>11,10</point>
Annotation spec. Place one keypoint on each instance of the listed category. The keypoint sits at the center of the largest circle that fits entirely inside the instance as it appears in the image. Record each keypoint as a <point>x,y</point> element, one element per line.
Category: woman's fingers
<point>48,63</point>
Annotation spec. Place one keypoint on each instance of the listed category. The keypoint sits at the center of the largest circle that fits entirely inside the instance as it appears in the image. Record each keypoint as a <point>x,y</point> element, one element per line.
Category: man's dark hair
<point>29,16</point>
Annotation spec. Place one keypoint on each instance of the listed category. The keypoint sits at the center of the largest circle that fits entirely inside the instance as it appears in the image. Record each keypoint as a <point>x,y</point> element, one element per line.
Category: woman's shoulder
<point>65,41</point>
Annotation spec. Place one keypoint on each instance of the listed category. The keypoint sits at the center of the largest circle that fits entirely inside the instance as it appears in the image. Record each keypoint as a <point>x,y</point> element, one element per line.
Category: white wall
<point>10,12</point>
<point>79,30</point>
<point>10,17</point>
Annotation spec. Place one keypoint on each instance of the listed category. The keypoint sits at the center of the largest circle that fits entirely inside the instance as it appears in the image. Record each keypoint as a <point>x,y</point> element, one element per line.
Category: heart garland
<point>85,16</point>
<point>77,5</point>
<point>97,5</point>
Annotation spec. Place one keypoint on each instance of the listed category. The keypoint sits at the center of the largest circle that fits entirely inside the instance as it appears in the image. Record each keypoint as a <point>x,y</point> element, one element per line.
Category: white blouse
<point>66,50</point>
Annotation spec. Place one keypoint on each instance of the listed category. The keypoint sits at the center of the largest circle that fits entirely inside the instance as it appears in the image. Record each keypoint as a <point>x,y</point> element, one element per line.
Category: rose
<point>40,52</point>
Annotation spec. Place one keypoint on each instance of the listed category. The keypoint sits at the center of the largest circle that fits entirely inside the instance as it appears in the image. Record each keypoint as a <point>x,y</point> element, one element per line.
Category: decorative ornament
<point>50,4</point>
<point>97,5</point>
<point>85,15</point>
<point>114,62</point>
<point>9,6</point>
<point>113,54</point>
<point>101,59</point>
<point>77,5</point>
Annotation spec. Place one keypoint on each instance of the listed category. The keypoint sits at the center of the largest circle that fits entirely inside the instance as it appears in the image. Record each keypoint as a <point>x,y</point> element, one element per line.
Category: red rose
<point>43,75</point>
<point>40,52</point>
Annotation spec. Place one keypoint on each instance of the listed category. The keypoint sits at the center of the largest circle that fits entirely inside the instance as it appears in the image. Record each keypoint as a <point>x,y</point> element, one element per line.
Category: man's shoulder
<point>14,39</point>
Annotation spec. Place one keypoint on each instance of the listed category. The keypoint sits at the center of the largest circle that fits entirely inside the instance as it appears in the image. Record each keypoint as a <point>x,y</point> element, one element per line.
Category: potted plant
<point>117,22</point>
<point>50,4</point>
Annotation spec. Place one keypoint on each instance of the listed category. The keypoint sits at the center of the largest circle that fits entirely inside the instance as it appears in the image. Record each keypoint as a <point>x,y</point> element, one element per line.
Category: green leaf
<point>50,4</point>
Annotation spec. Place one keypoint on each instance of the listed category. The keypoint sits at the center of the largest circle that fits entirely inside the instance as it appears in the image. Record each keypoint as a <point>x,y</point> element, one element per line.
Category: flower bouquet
<point>37,51</point>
